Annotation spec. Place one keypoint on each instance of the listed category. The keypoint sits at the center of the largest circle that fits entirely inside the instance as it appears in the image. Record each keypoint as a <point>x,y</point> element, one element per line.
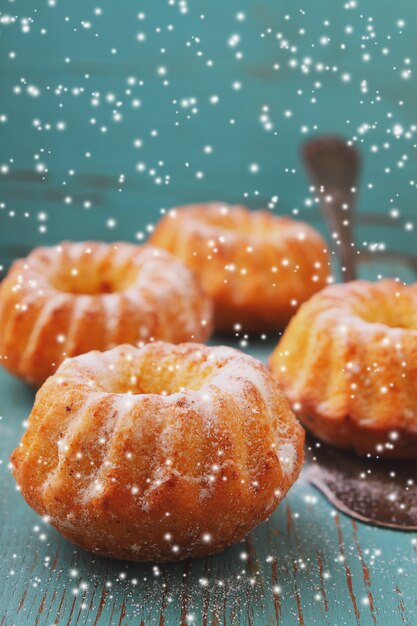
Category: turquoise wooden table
<point>307,565</point>
<point>109,114</point>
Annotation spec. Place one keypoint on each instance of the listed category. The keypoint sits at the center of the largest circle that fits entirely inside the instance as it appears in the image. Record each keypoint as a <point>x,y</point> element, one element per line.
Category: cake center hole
<point>164,378</point>
<point>393,315</point>
<point>94,281</point>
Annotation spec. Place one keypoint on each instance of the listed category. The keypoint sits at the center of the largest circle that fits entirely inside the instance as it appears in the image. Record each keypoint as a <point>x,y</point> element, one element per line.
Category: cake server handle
<point>334,166</point>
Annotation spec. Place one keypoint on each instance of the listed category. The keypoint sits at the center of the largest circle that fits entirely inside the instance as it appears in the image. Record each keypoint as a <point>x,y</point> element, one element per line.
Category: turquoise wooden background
<point>86,73</point>
<point>113,111</point>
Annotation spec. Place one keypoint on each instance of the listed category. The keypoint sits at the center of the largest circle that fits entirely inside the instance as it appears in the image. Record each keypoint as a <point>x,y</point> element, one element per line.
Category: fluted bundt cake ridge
<point>256,266</point>
<point>348,364</point>
<point>75,297</point>
<point>158,453</point>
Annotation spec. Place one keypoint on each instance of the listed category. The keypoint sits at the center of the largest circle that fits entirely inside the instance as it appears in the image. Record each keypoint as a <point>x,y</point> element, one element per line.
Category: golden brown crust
<point>75,297</point>
<point>348,364</point>
<point>158,453</point>
<point>256,266</point>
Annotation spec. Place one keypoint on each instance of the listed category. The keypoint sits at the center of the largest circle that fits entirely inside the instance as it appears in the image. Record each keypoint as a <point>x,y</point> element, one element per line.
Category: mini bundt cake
<point>348,364</point>
<point>158,453</point>
<point>75,297</point>
<point>256,266</point>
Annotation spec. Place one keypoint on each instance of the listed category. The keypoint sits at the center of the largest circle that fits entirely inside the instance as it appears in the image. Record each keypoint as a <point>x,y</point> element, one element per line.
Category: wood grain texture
<point>70,65</point>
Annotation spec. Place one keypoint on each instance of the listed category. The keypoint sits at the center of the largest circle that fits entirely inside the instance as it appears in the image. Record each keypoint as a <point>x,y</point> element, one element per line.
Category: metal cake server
<point>334,168</point>
<point>372,490</point>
